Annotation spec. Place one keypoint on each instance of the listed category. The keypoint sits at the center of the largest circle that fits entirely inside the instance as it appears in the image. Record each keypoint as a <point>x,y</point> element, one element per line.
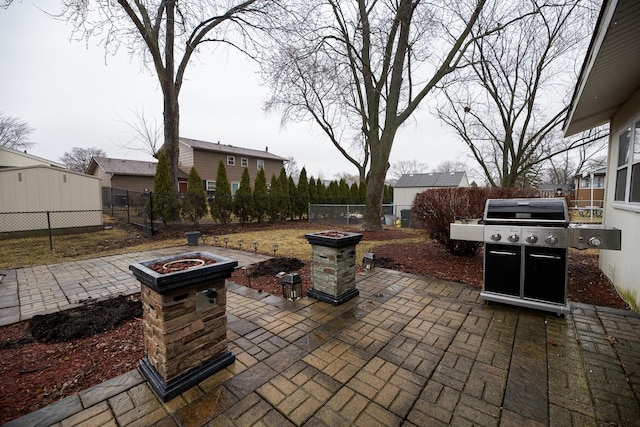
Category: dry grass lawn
<point>31,251</point>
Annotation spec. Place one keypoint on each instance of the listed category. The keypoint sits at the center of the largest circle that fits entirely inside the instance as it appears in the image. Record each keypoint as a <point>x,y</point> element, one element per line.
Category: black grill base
<point>526,276</point>
<point>560,309</point>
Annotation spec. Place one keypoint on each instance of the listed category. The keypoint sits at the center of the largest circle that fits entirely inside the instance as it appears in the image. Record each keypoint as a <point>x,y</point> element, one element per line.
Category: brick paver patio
<point>410,350</point>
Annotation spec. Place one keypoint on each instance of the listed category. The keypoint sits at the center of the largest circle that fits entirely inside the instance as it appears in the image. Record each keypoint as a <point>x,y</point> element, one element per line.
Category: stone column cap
<point>222,268</point>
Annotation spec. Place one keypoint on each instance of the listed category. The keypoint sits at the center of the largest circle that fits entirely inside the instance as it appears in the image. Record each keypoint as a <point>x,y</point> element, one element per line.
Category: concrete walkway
<point>410,350</point>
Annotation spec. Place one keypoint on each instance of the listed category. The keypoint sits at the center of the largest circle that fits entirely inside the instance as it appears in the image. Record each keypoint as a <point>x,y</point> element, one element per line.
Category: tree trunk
<point>375,183</point>
<point>172,133</point>
<point>170,89</point>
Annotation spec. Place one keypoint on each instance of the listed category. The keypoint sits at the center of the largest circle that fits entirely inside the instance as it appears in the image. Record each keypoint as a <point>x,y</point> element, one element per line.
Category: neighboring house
<point>133,175</point>
<point>608,91</point>
<point>10,158</point>
<point>38,193</point>
<point>556,190</point>
<point>206,156</point>
<point>584,195</point>
<point>409,185</point>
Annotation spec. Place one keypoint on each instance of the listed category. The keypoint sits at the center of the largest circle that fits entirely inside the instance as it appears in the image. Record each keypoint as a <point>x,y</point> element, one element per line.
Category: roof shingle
<point>434,179</point>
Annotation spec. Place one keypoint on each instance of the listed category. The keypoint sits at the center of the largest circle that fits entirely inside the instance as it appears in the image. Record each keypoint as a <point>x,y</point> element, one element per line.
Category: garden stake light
<point>255,247</point>
<point>248,271</point>
<point>240,242</point>
<point>367,261</point>
<point>226,241</point>
<point>275,248</point>
<point>292,287</point>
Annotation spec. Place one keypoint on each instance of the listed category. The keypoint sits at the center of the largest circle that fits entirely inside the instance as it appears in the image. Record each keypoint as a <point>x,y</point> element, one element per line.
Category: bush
<point>194,204</point>
<point>222,203</point>
<point>166,202</point>
<point>436,209</point>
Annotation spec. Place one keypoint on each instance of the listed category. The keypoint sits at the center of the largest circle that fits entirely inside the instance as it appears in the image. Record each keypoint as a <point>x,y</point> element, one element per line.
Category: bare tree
<point>563,167</point>
<point>508,106</point>
<point>147,134</point>
<point>359,69</point>
<point>165,35</point>
<point>451,166</point>
<point>78,159</point>
<point>291,167</point>
<point>14,133</point>
<point>402,167</point>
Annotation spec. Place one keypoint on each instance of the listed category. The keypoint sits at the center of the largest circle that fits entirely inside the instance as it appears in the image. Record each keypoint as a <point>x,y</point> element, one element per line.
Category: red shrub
<point>436,209</point>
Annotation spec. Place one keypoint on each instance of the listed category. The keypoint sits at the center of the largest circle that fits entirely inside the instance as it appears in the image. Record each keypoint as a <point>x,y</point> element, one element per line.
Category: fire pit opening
<point>181,264</point>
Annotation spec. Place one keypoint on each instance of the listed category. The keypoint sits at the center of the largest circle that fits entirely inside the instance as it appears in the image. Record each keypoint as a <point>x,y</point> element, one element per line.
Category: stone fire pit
<point>185,322</point>
<point>333,265</point>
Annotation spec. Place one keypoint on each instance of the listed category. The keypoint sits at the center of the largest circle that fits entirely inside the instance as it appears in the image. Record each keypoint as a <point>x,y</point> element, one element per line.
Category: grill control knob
<point>595,241</point>
<point>551,240</point>
<point>496,237</point>
<point>513,237</point>
<point>531,238</point>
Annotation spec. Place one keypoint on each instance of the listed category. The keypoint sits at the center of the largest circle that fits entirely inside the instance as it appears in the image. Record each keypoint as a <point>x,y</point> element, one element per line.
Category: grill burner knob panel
<point>496,237</point>
<point>531,238</point>
<point>513,238</point>
<point>551,240</point>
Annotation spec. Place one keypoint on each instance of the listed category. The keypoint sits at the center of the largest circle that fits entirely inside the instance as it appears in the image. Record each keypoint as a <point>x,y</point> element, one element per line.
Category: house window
<point>210,186</point>
<point>598,181</point>
<point>260,164</point>
<point>231,161</point>
<point>628,167</point>
<point>634,195</point>
<point>244,162</point>
<point>234,188</point>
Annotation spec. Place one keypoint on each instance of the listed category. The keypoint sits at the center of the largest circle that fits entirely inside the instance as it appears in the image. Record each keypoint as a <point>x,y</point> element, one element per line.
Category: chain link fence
<point>127,206</point>
<point>136,208</point>
<point>48,223</point>
<point>348,214</point>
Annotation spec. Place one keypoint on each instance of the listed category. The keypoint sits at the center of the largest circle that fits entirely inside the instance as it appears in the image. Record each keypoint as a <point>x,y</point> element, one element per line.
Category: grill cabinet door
<point>545,274</point>
<point>502,269</point>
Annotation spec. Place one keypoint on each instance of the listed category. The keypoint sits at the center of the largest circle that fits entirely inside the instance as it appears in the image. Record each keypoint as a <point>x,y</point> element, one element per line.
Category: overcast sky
<point>74,96</point>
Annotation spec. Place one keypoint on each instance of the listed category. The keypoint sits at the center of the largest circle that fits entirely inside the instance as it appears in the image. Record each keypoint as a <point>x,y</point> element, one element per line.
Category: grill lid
<point>540,211</point>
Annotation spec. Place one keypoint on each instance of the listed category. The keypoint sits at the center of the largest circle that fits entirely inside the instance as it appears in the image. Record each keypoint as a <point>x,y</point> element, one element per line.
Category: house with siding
<point>133,175</point>
<point>589,188</point>
<point>136,175</point>
<point>608,92</point>
<point>205,156</point>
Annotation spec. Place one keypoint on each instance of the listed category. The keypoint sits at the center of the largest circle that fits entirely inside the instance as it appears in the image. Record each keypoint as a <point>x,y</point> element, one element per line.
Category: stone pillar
<point>333,265</point>
<point>185,322</point>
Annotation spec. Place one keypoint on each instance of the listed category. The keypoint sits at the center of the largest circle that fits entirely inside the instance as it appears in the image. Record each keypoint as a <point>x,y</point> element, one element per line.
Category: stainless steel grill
<point>525,250</point>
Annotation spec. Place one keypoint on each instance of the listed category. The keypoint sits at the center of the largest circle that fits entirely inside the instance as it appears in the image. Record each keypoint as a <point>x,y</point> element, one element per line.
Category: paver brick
<point>95,415</point>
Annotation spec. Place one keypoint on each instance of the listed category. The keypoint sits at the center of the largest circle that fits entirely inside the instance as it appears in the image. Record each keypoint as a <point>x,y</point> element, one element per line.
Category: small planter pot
<point>192,237</point>
<point>333,265</point>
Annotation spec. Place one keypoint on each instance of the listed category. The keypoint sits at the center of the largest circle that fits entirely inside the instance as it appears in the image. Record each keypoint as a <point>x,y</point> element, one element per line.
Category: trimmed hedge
<point>436,209</point>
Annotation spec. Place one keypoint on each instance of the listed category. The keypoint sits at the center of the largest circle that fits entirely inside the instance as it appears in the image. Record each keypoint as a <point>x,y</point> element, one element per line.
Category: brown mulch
<point>36,373</point>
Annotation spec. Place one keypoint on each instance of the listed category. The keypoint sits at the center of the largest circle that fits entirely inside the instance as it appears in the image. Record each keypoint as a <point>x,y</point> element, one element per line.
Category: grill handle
<point>502,253</point>
<point>545,256</point>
